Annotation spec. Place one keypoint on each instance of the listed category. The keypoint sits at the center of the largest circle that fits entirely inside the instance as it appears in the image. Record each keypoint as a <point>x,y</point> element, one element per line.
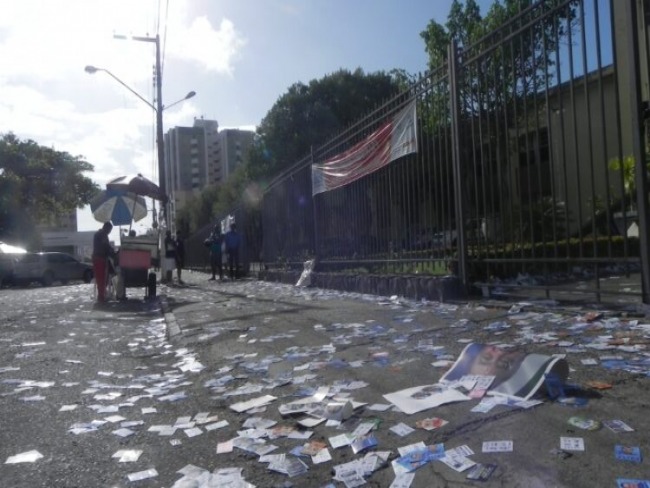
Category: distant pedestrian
<point>170,256</point>
<point>180,256</point>
<point>102,252</point>
<point>233,242</point>
<point>214,243</point>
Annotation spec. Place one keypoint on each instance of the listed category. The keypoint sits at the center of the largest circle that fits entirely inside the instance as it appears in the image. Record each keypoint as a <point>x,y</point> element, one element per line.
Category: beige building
<point>201,156</point>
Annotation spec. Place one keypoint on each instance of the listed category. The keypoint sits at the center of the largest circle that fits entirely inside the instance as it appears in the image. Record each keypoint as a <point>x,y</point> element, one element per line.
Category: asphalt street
<point>145,393</point>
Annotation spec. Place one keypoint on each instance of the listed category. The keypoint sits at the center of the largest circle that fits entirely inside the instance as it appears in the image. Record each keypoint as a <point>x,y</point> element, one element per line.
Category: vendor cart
<point>135,262</point>
<point>138,255</point>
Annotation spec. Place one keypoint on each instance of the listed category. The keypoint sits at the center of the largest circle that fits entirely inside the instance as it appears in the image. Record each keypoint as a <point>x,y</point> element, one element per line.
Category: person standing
<point>180,256</point>
<point>233,241</point>
<point>170,256</point>
<point>215,242</point>
<point>102,251</point>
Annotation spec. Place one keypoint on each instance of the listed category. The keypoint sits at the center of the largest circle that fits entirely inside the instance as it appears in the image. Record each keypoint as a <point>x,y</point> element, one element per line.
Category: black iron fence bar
<point>589,146</point>
<point>603,118</point>
<point>459,181</point>
<point>638,147</point>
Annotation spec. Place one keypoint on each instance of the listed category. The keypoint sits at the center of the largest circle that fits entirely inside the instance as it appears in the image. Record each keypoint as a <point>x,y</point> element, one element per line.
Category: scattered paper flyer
<point>322,456</point>
<point>572,443</point>
<point>402,429</point>
<point>617,426</point>
<point>255,402</point>
<point>481,472</point>
<point>363,442</point>
<point>457,458</point>
<point>225,447</point>
<point>626,453</point>
<point>413,400</point>
<point>417,458</point>
<point>341,440</point>
<point>216,425</point>
<point>497,446</point>
<point>632,483</point>
<point>127,455</point>
<point>379,407</point>
<point>431,423</point>
<point>583,423</point>
<point>142,475</point>
<point>24,457</point>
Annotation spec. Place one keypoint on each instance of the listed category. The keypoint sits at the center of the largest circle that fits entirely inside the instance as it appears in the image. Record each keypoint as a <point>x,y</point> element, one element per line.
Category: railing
<point>518,139</point>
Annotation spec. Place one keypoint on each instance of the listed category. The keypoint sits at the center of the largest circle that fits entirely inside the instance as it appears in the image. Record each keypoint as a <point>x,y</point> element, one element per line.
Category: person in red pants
<point>102,250</point>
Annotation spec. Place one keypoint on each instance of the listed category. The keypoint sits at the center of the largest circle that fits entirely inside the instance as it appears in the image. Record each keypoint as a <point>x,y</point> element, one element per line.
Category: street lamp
<point>94,69</point>
<point>158,108</point>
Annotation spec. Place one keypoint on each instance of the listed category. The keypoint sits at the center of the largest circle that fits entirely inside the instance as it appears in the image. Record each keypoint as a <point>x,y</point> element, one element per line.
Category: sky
<point>239,56</point>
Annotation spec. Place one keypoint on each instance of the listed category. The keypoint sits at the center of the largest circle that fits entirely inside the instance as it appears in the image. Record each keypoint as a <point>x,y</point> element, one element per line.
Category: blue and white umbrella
<point>119,207</point>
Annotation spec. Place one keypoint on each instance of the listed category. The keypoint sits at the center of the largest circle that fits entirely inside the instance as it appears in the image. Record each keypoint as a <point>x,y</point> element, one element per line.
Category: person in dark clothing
<point>214,242</point>
<point>233,242</point>
<point>170,256</point>
<point>180,255</point>
<point>102,251</point>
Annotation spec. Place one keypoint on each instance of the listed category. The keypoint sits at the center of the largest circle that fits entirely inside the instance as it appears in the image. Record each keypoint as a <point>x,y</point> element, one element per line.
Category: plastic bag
<point>305,277</point>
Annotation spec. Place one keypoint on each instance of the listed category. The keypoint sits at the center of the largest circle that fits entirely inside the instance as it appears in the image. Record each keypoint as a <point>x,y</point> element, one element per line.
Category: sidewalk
<point>268,342</point>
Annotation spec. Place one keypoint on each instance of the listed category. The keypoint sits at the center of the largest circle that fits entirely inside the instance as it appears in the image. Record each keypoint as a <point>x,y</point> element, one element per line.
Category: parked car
<point>7,266</point>
<point>48,267</point>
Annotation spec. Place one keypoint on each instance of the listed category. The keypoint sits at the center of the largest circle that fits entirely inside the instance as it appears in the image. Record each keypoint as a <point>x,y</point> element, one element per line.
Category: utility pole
<point>160,141</point>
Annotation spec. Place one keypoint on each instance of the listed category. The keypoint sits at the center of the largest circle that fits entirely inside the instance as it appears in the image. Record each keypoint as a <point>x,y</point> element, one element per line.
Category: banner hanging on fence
<point>396,138</point>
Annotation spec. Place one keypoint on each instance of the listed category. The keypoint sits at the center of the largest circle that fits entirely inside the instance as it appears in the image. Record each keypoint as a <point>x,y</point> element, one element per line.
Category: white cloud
<point>213,50</point>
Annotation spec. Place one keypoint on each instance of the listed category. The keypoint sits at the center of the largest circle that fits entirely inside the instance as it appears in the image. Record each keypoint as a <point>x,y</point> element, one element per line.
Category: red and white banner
<point>396,138</point>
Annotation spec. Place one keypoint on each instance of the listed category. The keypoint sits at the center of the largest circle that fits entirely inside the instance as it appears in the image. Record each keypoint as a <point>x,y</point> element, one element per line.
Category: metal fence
<point>530,160</point>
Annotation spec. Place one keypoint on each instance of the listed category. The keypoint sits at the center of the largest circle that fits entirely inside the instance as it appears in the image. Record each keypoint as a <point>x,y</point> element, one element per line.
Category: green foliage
<point>308,115</point>
<point>627,168</point>
<point>39,184</point>
<point>500,72</point>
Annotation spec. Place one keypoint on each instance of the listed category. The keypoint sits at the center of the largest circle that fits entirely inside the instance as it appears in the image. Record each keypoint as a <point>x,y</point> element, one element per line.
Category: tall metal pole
<point>457,163</point>
<point>638,142</point>
<point>159,121</point>
<point>160,137</point>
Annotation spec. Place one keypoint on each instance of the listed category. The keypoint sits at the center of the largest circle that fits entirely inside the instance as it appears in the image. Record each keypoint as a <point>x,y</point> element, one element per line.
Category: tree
<point>308,115</point>
<point>37,185</point>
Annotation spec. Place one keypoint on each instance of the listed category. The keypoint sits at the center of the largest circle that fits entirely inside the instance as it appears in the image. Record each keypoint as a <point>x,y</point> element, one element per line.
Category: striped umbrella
<point>118,207</point>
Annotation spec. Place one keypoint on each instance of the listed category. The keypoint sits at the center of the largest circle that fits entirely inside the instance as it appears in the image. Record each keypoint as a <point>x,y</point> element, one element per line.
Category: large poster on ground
<point>396,138</point>
<point>516,373</point>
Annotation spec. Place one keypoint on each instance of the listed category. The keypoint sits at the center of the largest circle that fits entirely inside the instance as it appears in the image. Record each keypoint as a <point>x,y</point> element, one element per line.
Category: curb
<point>438,288</point>
<point>172,326</point>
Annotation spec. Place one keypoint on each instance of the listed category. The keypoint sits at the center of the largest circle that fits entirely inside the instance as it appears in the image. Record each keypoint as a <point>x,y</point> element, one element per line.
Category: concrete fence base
<point>435,288</point>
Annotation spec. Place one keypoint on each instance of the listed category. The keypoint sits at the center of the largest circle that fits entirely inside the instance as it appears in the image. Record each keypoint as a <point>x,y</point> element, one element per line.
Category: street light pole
<point>158,108</point>
<point>162,176</point>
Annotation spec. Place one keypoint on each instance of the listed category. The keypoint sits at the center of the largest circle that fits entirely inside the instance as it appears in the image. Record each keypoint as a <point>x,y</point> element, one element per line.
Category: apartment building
<point>201,156</point>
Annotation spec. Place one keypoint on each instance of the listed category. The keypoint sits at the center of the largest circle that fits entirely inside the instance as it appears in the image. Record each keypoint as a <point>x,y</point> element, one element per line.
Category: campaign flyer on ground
<point>418,398</point>
<point>517,374</point>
